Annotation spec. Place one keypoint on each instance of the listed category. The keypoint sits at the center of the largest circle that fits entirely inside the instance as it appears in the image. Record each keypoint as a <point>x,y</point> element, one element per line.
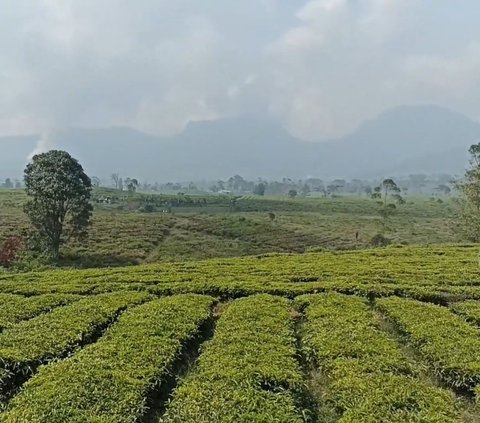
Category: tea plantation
<point>382,335</point>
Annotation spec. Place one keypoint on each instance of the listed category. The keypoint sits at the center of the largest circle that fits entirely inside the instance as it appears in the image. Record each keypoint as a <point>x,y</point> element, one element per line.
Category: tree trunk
<point>55,250</point>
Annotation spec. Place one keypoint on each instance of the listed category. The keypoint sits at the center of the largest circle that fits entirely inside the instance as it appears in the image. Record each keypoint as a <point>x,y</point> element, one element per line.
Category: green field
<point>380,335</point>
<point>208,227</point>
<point>216,313</point>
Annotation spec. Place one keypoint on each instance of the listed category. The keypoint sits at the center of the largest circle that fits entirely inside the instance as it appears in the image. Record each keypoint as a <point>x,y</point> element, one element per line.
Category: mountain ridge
<point>401,140</point>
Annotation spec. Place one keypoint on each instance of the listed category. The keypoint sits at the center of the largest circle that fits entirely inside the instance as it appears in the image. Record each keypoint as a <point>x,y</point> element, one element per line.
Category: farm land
<point>202,227</point>
<point>321,328</point>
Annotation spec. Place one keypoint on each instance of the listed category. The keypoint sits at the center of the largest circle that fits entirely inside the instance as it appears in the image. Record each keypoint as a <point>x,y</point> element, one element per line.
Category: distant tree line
<point>10,183</point>
<point>432,185</point>
<point>436,185</point>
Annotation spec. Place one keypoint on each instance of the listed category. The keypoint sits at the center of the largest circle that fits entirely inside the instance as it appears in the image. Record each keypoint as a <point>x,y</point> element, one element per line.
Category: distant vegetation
<point>135,221</point>
<point>325,336</point>
<point>136,228</point>
<point>414,184</point>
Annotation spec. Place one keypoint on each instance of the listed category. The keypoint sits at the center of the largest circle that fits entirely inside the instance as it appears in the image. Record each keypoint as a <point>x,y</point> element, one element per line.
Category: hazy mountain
<point>410,139</point>
<point>403,140</point>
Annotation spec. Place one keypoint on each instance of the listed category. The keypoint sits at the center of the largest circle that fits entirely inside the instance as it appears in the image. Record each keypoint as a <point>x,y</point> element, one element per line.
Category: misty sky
<point>319,66</point>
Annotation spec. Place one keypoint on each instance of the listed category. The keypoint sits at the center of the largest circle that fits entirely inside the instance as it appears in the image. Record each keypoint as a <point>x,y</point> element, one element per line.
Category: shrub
<point>148,208</point>
<point>379,240</point>
<point>10,251</point>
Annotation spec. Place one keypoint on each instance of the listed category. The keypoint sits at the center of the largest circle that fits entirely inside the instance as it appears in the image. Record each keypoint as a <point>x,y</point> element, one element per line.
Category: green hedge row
<point>439,274</point>
<point>109,381</point>
<point>248,372</point>
<point>368,377</point>
<point>433,266</point>
<point>67,287</point>
<point>241,286</point>
<point>32,342</point>
<point>469,310</point>
<point>445,340</point>
<point>15,308</point>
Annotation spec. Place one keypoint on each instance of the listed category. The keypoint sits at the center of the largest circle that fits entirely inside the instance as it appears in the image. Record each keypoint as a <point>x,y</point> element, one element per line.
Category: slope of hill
<point>220,341</point>
<point>403,140</point>
<point>120,235</point>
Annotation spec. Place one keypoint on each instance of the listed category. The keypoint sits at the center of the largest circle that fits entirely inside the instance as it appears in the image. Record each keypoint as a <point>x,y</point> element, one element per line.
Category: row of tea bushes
<point>447,342</point>
<point>52,335</point>
<point>109,381</point>
<point>15,308</point>
<point>248,372</point>
<point>369,378</point>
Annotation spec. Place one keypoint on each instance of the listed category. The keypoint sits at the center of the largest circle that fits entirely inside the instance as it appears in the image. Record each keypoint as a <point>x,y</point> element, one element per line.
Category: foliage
<point>469,188</point>
<point>107,381</point>
<point>446,341</point>
<point>117,181</point>
<point>437,274</point>
<point>201,227</point>
<point>248,372</point>
<point>95,181</point>
<point>131,184</point>
<point>148,208</point>
<point>105,364</point>
<point>59,191</point>
<point>387,191</point>
<point>7,184</point>
<point>30,343</point>
<point>15,308</point>
<point>470,310</point>
<point>259,189</point>
<point>379,240</point>
<point>444,189</point>
<point>10,251</point>
<point>369,378</point>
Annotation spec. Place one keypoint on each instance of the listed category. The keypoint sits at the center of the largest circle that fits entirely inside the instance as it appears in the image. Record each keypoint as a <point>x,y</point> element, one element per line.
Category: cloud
<point>151,64</point>
<point>347,60</point>
<point>330,69</point>
<point>453,80</point>
<point>319,66</point>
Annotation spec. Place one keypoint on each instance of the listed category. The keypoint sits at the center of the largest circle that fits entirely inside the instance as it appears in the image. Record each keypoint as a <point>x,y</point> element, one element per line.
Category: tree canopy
<point>59,199</point>
<point>388,189</point>
<point>469,187</point>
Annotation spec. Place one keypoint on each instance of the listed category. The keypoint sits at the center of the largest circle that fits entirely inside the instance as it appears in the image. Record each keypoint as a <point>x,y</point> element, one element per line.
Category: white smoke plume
<point>44,144</point>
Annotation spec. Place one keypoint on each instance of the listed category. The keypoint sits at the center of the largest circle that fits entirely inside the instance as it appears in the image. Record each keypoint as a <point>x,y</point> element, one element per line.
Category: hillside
<point>379,335</point>
<point>400,141</point>
<point>120,234</point>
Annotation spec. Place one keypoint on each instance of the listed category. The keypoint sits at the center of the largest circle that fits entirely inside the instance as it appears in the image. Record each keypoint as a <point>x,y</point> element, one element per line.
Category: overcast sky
<point>319,66</point>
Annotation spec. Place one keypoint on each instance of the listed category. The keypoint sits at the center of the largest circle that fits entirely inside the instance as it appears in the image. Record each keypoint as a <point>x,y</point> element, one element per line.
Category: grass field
<point>382,335</point>
<point>208,227</point>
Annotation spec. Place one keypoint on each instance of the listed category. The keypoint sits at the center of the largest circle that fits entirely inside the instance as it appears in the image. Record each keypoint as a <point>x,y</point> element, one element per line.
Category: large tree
<point>259,189</point>
<point>387,194</point>
<point>469,188</point>
<point>387,190</point>
<point>59,205</point>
